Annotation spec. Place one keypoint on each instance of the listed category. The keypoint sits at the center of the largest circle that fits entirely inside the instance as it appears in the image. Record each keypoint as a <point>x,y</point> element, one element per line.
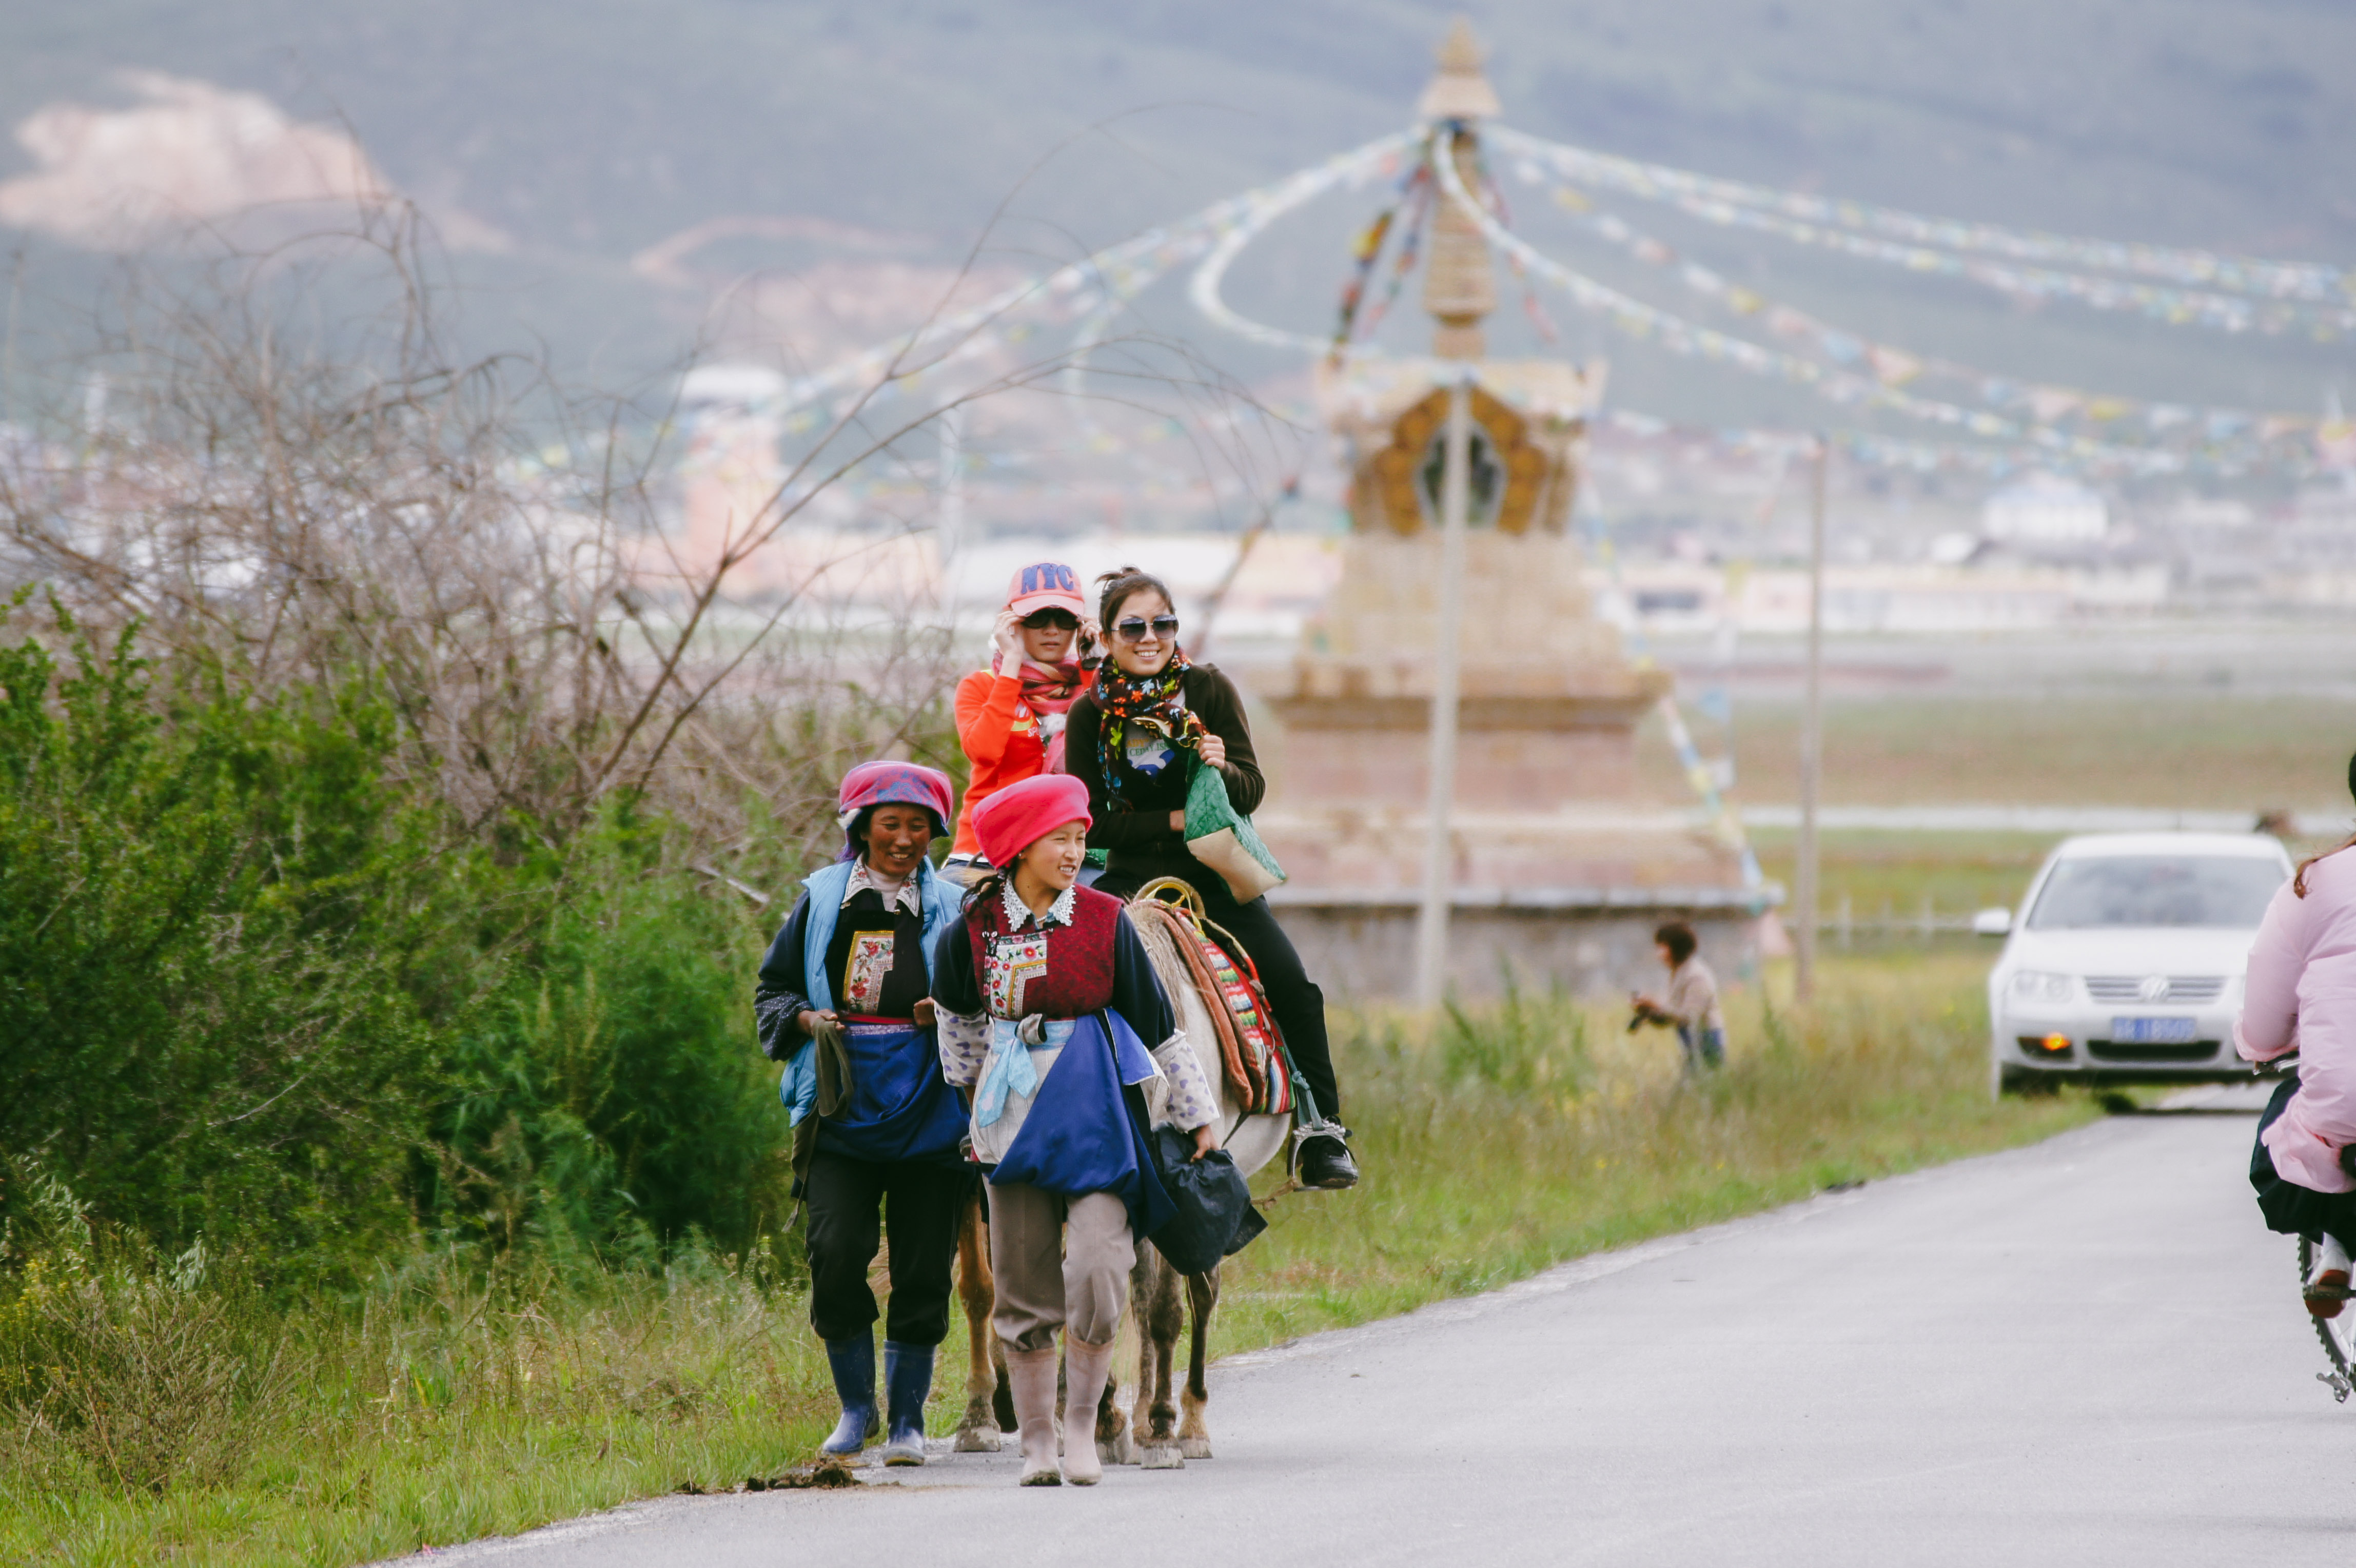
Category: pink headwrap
<point>872,784</point>
<point>1020,815</point>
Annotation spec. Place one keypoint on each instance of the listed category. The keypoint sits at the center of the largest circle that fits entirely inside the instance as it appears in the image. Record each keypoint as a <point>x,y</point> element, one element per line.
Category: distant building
<point>2045,510</point>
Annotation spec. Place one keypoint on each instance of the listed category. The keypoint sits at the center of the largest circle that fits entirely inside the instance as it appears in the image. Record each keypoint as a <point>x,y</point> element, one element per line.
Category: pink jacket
<point>2300,995</point>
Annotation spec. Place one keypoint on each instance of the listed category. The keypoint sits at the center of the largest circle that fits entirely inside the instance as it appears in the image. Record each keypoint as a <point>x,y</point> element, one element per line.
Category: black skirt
<point>2293,1210</point>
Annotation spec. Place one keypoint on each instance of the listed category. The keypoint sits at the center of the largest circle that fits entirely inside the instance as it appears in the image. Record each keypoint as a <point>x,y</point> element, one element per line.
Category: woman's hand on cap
<point>1005,636</point>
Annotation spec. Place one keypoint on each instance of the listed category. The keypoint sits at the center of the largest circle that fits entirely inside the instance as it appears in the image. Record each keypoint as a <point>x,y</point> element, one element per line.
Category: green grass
<point>445,1407</point>
<point>1893,873</point>
<point>2191,750</point>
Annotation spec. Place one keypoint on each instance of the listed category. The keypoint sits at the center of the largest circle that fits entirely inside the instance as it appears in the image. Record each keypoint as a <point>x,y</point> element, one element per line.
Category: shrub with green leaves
<point>201,1019</point>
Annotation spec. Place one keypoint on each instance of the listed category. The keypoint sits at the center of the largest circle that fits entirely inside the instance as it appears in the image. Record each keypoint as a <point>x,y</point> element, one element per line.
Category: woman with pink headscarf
<point>844,1001</point>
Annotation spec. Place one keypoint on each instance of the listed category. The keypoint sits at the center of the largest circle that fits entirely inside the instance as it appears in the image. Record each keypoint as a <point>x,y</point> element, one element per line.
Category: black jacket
<point>1137,831</point>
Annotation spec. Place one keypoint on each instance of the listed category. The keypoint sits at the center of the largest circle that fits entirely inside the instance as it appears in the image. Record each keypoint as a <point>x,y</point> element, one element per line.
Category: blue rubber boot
<point>908,1384</point>
<point>853,1361</point>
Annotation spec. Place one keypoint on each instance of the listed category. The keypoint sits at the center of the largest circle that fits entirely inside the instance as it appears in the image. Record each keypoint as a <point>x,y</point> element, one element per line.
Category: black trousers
<point>2293,1210</point>
<point>848,1203</point>
<point>1295,999</point>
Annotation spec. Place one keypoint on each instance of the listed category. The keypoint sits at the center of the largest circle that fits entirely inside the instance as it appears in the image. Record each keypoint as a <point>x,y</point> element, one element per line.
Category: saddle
<point>1251,1049</point>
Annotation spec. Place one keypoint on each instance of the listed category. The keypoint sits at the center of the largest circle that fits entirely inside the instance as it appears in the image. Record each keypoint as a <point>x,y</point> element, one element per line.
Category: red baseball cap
<point>1046,585</point>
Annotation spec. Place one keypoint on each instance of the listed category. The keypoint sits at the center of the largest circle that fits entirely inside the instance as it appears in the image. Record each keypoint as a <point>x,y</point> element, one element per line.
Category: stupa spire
<point>1460,286</point>
<point>1459,92</point>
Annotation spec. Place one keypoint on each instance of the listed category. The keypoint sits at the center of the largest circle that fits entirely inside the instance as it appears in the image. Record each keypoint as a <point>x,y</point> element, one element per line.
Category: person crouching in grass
<point>1690,1008</point>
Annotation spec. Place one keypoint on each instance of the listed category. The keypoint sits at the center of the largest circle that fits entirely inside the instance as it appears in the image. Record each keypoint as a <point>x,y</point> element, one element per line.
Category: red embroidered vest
<point>1063,972</point>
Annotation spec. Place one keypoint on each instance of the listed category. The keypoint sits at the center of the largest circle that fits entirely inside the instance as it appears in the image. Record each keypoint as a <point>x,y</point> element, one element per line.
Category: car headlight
<point>2040,985</point>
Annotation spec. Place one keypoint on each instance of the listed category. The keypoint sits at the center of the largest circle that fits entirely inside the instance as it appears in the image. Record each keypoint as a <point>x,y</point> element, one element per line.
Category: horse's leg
<point>1166,1315</point>
<point>1203,1294</point>
<point>1147,1282</point>
<point>1002,1397</point>
<point>977,1429</point>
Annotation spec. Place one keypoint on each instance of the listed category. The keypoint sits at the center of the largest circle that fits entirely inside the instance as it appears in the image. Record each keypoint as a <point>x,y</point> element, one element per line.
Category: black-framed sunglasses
<point>1134,627</point>
<point>1052,620</point>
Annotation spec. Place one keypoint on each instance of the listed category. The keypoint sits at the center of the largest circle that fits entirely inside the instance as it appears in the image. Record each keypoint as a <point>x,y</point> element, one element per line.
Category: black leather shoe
<point>1325,1163</point>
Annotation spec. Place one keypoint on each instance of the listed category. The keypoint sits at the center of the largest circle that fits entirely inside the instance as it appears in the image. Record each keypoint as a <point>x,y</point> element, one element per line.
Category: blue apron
<point>1086,1131</point>
<point>900,1107</point>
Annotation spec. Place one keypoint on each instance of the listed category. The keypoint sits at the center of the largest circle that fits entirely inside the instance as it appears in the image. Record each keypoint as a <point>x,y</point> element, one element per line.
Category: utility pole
<point>1439,859</point>
<point>1812,741</point>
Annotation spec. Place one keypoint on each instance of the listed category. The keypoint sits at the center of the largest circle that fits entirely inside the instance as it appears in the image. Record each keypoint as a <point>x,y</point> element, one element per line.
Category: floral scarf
<point>1150,701</point>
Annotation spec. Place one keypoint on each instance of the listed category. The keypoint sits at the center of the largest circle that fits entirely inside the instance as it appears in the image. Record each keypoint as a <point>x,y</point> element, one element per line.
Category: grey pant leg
<point>1048,1280</point>
<point>1026,1257</point>
<point>1098,1253</point>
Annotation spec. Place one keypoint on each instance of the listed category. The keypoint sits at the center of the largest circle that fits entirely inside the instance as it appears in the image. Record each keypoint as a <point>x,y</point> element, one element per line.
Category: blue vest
<point>943,901</point>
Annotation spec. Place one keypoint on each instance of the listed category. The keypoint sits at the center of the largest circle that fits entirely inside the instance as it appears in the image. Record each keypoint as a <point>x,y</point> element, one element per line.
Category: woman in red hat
<point>1054,1022</point>
<point>850,973</point>
<point>1009,716</point>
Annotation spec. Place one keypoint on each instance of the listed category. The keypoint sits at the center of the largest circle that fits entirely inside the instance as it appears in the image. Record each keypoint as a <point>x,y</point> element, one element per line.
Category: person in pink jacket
<point>2300,995</point>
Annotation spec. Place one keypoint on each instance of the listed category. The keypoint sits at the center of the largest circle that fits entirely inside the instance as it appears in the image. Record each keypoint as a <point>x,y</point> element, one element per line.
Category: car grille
<point>2183,990</point>
<point>2193,1051</point>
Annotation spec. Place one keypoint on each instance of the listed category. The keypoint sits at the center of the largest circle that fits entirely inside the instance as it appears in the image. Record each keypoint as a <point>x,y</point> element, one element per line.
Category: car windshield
<point>2155,890</point>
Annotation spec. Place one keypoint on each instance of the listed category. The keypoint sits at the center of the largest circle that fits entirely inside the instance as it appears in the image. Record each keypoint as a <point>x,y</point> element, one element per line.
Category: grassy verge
<point>190,1424</point>
<point>2188,750</point>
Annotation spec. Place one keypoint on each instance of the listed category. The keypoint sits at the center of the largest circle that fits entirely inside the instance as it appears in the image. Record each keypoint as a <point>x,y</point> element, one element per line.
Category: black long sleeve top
<point>874,963</point>
<point>1135,829</point>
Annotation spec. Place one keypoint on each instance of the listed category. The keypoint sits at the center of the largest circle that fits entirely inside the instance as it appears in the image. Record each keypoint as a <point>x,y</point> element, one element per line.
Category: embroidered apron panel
<point>1015,961</point>
<point>864,971</point>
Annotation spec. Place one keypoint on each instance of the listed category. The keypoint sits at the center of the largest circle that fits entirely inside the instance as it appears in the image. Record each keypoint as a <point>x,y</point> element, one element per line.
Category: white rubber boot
<point>1086,1368</point>
<point>1031,1377</point>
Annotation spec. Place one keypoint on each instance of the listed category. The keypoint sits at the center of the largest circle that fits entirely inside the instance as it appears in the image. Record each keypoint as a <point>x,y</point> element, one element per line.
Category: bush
<point>254,992</point>
<point>200,1021</point>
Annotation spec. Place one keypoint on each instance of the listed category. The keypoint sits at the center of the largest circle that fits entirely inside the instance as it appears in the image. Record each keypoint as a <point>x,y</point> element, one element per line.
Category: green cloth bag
<point>1222,838</point>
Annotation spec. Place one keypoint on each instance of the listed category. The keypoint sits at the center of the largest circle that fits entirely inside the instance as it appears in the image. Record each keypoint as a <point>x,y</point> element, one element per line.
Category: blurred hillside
<point>559,142</point>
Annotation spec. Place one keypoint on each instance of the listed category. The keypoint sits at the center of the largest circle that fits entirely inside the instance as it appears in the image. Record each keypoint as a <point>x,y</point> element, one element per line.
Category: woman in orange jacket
<point>1009,716</point>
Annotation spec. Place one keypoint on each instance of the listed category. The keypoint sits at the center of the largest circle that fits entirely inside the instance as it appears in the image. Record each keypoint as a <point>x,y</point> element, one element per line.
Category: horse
<point>1154,1433</point>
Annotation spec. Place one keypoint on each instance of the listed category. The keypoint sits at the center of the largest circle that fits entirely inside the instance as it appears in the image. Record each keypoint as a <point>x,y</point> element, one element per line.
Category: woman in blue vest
<point>844,1003</point>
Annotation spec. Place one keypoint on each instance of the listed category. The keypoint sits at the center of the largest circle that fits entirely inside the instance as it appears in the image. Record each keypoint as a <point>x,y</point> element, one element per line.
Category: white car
<point>2125,964</point>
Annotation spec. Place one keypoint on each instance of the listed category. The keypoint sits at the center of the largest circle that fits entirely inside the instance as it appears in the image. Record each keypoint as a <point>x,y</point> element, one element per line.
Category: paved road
<point>2083,1353</point>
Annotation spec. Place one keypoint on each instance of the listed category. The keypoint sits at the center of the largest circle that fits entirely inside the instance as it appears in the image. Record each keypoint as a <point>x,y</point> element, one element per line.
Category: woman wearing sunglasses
<point>1011,715</point>
<point>1128,740</point>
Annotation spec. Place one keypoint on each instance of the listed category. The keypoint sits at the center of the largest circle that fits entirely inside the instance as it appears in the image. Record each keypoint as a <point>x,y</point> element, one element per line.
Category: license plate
<point>2152,1031</point>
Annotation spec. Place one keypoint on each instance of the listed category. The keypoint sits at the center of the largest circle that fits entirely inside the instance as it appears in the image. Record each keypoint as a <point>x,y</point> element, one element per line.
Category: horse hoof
<point>1195,1447</point>
<point>1121,1449</point>
<point>1163,1456</point>
<point>974,1440</point>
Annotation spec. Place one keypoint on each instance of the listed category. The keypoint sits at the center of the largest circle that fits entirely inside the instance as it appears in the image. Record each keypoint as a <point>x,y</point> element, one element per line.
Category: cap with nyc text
<point>1046,585</point>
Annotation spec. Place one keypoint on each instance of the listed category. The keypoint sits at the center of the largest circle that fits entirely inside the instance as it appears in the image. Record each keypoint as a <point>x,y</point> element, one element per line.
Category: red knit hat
<point>1020,815</point>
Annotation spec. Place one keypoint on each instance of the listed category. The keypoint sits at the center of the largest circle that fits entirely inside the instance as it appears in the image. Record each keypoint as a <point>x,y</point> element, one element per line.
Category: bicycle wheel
<point>2338,1334</point>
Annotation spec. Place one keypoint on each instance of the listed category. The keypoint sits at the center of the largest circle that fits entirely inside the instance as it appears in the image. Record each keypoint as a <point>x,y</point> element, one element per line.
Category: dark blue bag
<point>1214,1215</point>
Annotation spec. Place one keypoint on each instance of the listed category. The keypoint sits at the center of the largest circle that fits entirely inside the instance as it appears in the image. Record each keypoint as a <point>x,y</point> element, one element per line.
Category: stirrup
<point>1308,1123</point>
